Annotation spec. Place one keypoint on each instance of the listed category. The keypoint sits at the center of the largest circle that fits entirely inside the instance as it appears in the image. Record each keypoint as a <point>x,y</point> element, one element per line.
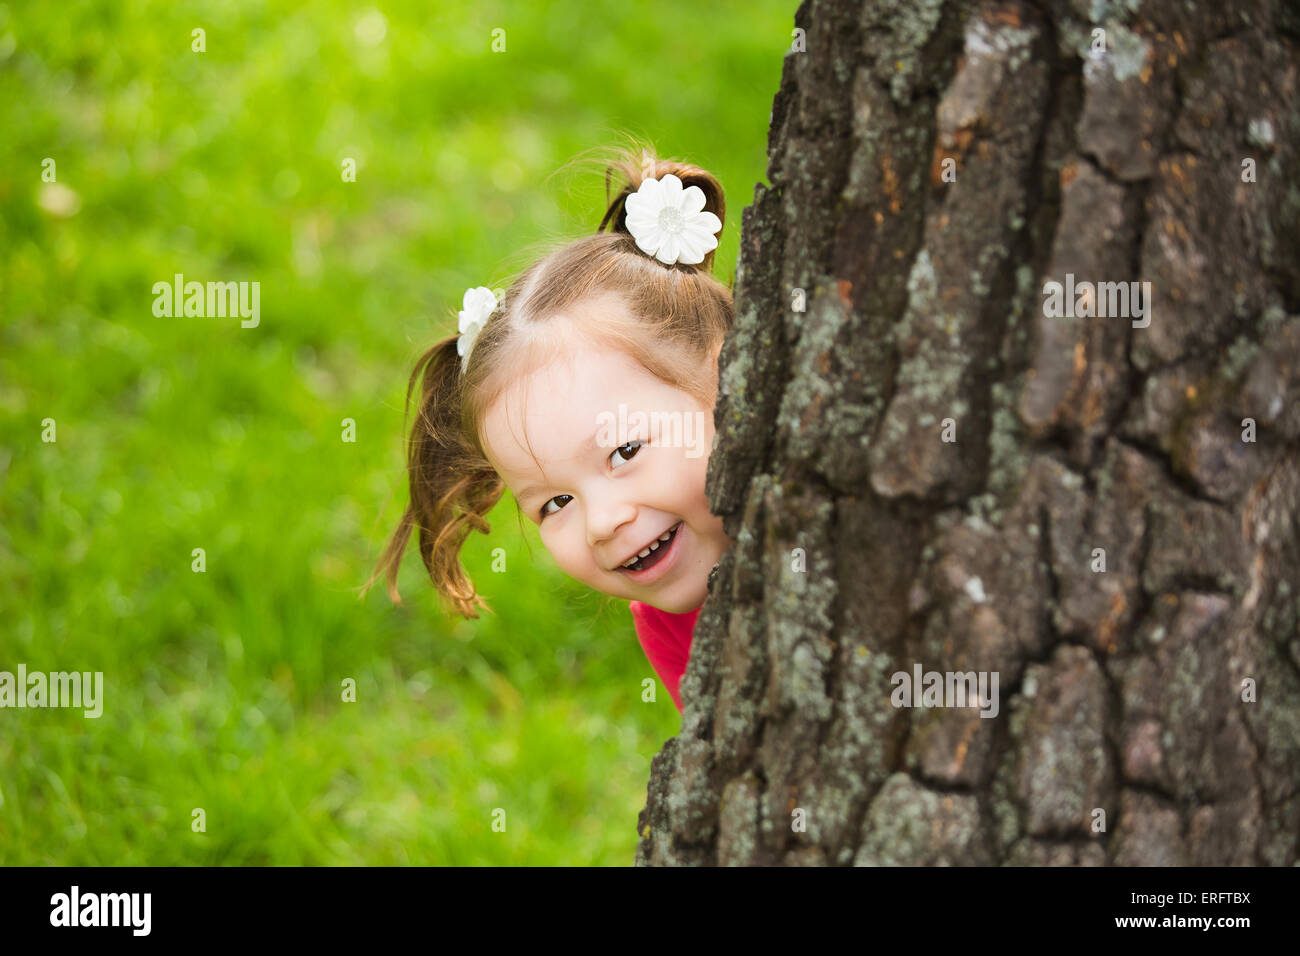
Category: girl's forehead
<point>581,375</point>
<point>564,395</point>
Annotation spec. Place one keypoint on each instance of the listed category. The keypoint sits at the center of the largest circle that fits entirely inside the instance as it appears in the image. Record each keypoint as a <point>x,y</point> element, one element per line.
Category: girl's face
<point>624,458</point>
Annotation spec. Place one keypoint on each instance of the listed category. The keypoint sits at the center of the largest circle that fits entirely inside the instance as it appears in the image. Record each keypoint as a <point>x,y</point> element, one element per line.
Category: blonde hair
<point>679,316</point>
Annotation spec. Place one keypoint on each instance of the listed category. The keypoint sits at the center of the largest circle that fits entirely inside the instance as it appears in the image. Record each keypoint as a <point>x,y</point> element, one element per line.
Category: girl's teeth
<point>654,546</point>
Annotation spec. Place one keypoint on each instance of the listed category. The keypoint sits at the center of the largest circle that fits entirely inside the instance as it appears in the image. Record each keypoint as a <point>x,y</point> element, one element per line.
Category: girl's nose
<point>605,517</point>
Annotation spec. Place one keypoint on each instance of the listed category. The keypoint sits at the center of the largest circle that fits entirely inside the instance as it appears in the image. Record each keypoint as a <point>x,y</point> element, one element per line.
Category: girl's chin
<point>682,607</point>
<point>682,598</point>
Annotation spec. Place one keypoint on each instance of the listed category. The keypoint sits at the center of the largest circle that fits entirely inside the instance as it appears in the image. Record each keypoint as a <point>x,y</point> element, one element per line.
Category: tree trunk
<point>925,465</point>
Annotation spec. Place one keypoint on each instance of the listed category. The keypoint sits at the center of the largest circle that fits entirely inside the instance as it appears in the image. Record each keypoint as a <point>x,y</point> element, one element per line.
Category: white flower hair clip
<point>669,222</point>
<point>476,308</point>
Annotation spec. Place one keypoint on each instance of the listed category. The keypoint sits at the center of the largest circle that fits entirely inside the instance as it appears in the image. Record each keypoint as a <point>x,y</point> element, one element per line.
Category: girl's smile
<point>656,559</point>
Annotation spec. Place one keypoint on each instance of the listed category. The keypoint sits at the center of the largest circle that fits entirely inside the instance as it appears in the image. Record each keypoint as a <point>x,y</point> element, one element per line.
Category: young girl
<point>588,391</point>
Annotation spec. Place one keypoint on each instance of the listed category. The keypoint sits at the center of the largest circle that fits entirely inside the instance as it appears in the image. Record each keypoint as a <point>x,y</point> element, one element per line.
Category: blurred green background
<point>222,689</point>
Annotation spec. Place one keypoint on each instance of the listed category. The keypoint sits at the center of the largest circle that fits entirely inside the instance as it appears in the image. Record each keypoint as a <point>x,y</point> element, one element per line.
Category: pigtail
<point>452,485</point>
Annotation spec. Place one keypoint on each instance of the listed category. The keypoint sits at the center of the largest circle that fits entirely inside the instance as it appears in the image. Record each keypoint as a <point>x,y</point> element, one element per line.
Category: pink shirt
<point>666,639</point>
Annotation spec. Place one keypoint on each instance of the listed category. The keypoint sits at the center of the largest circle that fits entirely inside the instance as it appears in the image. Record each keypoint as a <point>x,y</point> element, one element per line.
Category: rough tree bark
<point>1120,690</point>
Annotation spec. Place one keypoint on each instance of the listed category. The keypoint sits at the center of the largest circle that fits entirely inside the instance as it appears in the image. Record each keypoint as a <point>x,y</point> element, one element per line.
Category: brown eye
<point>628,451</point>
<point>556,498</point>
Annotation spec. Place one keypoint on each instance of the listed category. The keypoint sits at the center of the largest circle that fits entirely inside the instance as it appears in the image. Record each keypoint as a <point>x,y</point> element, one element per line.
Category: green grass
<point>223,688</point>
